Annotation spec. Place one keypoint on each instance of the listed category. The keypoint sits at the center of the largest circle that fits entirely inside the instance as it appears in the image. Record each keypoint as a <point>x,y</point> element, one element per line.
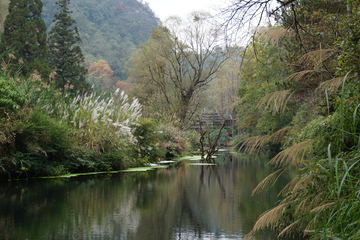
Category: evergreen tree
<point>23,44</point>
<point>65,55</point>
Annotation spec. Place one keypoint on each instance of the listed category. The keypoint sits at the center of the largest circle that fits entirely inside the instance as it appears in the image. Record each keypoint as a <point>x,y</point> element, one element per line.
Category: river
<point>183,201</point>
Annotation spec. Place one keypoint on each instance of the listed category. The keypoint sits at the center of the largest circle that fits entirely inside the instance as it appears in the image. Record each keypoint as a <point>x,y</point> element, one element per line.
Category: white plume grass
<point>95,115</point>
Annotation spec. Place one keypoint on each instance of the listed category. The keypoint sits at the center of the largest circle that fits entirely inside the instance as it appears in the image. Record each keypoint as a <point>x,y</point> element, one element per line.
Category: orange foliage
<point>123,85</point>
<point>100,69</point>
<point>102,72</point>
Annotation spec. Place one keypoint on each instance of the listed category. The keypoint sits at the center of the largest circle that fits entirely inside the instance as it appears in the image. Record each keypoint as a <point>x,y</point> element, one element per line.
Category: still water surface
<point>181,202</point>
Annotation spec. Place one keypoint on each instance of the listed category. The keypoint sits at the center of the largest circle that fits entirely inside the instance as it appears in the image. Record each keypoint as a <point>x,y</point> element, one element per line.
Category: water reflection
<point>181,202</point>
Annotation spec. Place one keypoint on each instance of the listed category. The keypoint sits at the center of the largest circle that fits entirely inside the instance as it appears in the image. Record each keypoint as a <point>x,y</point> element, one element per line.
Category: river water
<point>181,202</point>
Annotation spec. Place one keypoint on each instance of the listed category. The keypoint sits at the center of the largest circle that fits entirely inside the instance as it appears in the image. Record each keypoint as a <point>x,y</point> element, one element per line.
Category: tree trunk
<point>185,104</point>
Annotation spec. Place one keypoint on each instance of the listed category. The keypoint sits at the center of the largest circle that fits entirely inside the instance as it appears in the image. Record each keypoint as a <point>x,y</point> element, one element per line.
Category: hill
<point>110,29</point>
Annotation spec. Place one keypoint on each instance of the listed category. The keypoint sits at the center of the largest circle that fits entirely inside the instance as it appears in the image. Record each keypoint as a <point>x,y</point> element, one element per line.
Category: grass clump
<point>46,131</point>
<point>322,202</point>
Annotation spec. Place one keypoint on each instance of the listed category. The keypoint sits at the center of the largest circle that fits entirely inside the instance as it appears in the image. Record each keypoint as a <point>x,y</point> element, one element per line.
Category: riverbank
<point>48,132</point>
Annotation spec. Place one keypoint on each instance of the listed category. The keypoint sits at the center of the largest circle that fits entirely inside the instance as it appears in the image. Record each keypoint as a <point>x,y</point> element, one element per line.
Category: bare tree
<point>242,16</point>
<point>179,62</point>
<point>212,145</point>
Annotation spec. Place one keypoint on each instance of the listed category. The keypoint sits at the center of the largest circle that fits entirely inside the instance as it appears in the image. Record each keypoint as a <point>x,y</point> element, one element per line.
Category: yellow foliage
<point>102,73</point>
<point>100,69</point>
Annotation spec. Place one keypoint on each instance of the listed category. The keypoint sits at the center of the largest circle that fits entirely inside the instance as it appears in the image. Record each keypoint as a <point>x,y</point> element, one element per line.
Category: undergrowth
<point>47,131</point>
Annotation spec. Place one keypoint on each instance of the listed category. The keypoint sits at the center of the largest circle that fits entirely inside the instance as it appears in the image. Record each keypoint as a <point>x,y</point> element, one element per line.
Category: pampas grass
<point>266,220</point>
<point>315,59</point>
<point>276,101</point>
<point>331,85</point>
<point>291,155</point>
<point>272,34</point>
<point>269,181</point>
<point>97,115</point>
<point>100,121</point>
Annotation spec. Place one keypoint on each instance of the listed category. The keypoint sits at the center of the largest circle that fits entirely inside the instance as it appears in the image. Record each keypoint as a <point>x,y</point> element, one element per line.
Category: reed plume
<point>276,101</point>
<point>272,34</point>
<point>291,155</point>
<point>269,181</point>
<point>315,59</point>
<point>331,85</point>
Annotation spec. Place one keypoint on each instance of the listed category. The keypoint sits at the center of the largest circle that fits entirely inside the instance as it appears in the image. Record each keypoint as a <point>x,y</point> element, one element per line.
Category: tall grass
<point>49,131</point>
<point>95,115</point>
<point>55,131</point>
<point>323,201</point>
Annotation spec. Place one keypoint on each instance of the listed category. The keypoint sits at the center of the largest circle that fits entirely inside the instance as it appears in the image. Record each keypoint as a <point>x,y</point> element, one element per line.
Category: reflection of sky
<point>166,8</point>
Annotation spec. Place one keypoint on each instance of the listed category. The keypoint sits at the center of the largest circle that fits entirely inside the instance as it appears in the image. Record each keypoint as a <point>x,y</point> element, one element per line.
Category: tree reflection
<point>181,202</point>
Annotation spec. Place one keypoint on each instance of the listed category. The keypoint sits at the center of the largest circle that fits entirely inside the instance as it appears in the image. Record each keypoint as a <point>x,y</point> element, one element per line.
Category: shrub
<point>149,140</point>
<point>193,139</point>
<point>175,141</point>
<point>11,94</point>
<point>35,142</point>
<point>224,137</point>
<point>56,132</point>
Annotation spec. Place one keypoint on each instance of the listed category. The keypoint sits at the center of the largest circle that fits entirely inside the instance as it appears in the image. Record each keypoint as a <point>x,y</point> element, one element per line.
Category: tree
<point>23,43</point>
<point>107,31</point>
<point>177,64</point>
<point>65,56</point>
<point>100,74</point>
<point>261,71</point>
<point>221,95</point>
<point>123,86</point>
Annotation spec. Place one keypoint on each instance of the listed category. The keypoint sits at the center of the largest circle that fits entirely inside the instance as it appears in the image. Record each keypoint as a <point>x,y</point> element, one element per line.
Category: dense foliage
<point>300,90</point>
<point>49,127</point>
<point>110,31</point>
<point>23,45</point>
<point>4,10</point>
<point>65,56</point>
<point>44,131</point>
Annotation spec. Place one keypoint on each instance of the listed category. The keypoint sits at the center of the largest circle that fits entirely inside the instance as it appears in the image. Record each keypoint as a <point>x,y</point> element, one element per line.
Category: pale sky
<point>166,8</point>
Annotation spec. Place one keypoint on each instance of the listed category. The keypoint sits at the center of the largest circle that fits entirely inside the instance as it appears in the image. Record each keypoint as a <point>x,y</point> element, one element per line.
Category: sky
<point>166,8</point>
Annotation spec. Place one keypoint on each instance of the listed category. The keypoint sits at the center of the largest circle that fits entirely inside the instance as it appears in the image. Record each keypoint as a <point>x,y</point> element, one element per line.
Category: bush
<point>149,139</point>
<point>193,139</point>
<point>174,142</point>
<point>34,142</point>
<point>56,132</point>
<point>224,137</point>
<point>11,94</point>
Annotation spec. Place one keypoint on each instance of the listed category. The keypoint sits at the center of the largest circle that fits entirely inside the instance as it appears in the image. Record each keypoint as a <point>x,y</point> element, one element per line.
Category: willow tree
<point>23,44</point>
<point>65,54</point>
<point>177,64</point>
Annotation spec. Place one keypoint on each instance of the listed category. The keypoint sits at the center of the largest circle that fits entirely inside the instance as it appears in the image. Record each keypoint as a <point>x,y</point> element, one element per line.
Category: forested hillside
<point>110,30</point>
